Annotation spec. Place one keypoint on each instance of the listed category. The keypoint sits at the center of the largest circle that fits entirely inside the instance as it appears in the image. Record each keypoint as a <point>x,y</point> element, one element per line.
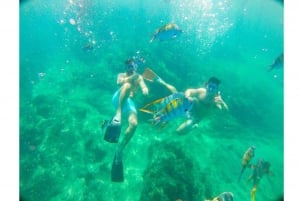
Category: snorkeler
<point>204,100</point>
<point>129,81</point>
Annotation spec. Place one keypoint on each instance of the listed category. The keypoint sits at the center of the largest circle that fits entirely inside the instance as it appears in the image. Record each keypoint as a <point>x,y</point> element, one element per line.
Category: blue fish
<point>278,63</point>
<point>168,108</point>
<point>88,47</point>
<point>166,32</point>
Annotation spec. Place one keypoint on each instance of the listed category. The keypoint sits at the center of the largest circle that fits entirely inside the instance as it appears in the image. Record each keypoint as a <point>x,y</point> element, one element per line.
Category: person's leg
<point>117,166</point>
<point>170,87</point>
<point>185,126</point>
<point>124,94</point>
<point>132,125</point>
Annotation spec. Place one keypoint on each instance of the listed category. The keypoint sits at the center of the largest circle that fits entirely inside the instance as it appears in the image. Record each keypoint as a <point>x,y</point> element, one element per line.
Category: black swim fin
<point>117,174</point>
<point>112,132</point>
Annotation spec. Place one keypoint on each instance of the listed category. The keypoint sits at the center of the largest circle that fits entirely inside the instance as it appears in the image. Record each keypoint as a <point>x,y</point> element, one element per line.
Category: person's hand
<point>145,91</point>
<point>195,126</point>
<point>220,102</point>
<point>218,98</point>
<point>191,99</point>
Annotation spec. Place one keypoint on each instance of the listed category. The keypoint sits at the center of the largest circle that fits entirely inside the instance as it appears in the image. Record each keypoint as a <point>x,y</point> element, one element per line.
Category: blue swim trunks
<point>128,104</point>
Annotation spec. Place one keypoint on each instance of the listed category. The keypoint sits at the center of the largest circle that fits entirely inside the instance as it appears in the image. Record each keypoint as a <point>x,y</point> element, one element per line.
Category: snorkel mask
<point>212,85</point>
<point>131,67</point>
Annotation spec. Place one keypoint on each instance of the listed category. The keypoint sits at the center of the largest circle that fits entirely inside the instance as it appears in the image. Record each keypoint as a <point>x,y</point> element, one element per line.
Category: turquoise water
<point>66,90</point>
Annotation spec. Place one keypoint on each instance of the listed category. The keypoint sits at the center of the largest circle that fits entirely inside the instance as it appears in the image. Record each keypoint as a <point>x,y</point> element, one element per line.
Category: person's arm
<point>122,78</point>
<point>171,88</point>
<point>220,103</point>
<point>186,126</point>
<point>189,92</point>
<point>143,85</point>
<point>193,94</point>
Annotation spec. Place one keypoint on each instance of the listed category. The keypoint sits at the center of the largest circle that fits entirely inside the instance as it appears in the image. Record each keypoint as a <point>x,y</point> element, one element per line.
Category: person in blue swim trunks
<point>128,105</point>
<point>129,81</point>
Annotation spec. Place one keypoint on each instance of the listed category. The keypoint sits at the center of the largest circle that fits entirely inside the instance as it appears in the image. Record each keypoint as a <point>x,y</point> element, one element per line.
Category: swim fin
<point>150,75</point>
<point>112,132</point>
<point>117,174</point>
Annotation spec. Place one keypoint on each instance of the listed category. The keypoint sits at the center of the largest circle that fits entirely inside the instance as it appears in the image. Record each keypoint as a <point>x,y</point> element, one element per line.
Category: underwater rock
<point>44,105</point>
<point>172,174</point>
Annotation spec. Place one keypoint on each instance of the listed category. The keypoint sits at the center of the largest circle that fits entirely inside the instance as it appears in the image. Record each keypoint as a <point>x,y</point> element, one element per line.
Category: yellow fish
<point>248,155</point>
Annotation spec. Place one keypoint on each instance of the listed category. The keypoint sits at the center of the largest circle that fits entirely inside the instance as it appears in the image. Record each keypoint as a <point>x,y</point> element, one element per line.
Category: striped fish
<point>248,155</point>
<point>168,108</point>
